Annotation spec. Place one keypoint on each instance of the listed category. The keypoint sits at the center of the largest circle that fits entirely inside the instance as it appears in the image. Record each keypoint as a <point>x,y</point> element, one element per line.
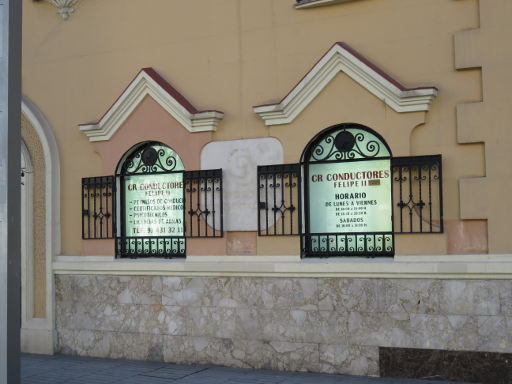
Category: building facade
<point>315,185</point>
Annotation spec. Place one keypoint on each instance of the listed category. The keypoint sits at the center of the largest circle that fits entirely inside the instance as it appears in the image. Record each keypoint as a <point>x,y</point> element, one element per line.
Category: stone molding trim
<point>149,83</point>
<point>52,161</point>
<point>27,237</point>
<point>318,3</point>
<point>401,267</point>
<point>470,119</point>
<point>342,58</point>
<point>64,7</point>
<point>37,333</point>
<point>486,118</point>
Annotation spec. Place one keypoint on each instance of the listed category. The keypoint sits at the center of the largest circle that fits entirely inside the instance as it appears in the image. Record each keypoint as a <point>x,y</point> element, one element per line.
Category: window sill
<point>318,3</point>
<point>402,266</point>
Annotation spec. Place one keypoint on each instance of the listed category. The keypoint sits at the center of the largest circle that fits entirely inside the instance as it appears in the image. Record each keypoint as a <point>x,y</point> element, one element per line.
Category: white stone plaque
<point>239,160</point>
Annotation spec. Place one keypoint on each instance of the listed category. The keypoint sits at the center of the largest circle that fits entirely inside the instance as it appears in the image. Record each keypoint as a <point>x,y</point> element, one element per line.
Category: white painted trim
<point>64,7</point>
<point>403,267</point>
<point>27,239</point>
<point>144,85</point>
<point>52,202</point>
<point>37,340</point>
<point>340,59</point>
<point>320,3</point>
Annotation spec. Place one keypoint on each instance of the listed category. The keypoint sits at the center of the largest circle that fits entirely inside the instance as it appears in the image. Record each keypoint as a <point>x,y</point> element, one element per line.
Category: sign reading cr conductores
<point>348,184</point>
<point>154,205</point>
<point>350,197</point>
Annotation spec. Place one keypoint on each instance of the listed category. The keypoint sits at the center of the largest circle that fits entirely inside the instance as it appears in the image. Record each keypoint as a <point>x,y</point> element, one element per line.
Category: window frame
<point>362,240</point>
<point>432,200</point>
<point>202,197</point>
<point>173,246</point>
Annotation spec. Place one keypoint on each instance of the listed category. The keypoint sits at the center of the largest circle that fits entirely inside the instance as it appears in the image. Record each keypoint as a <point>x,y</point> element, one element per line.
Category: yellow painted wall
<point>232,54</point>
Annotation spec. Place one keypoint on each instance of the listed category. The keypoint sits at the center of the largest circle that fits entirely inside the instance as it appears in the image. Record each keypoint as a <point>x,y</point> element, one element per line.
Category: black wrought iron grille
<point>417,197</point>
<point>98,207</point>
<point>203,203</point>
<point>347,244</point>
<point>165,247</point>
<point>417,194</point>
<point>152,157</point>
<point>278,199</point>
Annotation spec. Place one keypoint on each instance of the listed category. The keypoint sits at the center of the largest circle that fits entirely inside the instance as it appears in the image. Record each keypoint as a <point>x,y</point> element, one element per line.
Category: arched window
<point>152,204</point>
<point>352,195</point>
<point>151,210</point>
<point>347,193</point>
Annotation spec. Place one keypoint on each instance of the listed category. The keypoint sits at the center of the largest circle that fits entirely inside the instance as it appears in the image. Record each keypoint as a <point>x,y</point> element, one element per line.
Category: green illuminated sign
<point>350,197</point>
<point>348,185</point>
<point>153,205</point>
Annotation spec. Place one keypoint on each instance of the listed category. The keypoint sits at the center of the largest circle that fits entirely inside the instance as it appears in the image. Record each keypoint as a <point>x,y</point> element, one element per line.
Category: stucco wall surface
<point>486,119</point>
<point>231,55</point>
<point>304,324</point>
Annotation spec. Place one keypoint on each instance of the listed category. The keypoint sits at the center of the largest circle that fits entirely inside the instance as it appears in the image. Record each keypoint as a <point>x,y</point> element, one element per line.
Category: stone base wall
<point>333,325</point>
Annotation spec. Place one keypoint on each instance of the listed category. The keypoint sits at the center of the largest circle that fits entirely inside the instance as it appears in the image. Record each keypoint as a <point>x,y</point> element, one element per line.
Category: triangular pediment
<point>149,83</point>
<point>342,58</point>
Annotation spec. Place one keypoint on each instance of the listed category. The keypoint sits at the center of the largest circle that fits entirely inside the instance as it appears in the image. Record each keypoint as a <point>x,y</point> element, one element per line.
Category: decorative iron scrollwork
<point>417,196</point>
<point>278,199</point>
<point>200,192</point>
<point>98,205</point>
<point>347,244</point>
<point>341,146</point>
<point>417,191</point>
<point>203,203</point>
<point>152,157</point>
<point>348,143</point>
<point>166,247</point>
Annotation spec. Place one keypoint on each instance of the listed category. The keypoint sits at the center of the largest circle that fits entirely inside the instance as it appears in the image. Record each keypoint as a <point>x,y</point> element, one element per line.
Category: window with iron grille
<point>98,207</point>
<point>152,204</point>
<point>416,196</point>
<point>203,203</point>
<point>278,199</point>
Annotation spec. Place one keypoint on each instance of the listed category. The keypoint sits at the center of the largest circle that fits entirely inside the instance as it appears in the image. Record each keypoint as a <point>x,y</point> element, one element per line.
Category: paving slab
<point>57,369</point>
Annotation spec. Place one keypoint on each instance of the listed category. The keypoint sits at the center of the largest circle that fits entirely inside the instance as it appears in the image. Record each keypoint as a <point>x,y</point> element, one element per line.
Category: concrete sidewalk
<point>40,369</point>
